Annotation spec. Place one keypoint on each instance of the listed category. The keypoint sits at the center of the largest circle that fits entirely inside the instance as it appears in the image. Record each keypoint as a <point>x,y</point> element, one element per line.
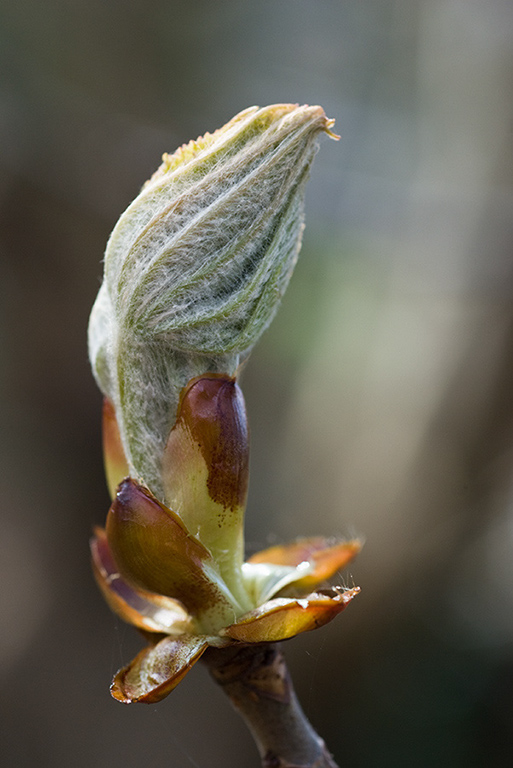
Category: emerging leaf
<point>196,267</point>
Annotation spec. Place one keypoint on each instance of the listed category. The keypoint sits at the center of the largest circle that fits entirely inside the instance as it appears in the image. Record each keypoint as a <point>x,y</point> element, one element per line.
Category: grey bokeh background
<point>380,400</point>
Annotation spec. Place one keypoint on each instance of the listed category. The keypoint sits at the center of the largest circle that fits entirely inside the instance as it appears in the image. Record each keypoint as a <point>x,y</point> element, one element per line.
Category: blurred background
<point>380,400</point>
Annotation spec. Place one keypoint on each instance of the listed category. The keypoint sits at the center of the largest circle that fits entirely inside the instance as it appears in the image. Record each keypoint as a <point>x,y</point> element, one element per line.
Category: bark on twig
<point>257,681</point>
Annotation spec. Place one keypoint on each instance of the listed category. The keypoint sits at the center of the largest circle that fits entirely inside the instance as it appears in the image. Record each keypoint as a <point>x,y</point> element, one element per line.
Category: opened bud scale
<point>194,271</point>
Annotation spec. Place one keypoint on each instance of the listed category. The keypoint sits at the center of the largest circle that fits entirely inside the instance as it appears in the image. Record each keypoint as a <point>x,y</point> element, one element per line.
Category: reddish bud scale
<point>116,465</point>
<point>154,551</point>
<point>212,410</point>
